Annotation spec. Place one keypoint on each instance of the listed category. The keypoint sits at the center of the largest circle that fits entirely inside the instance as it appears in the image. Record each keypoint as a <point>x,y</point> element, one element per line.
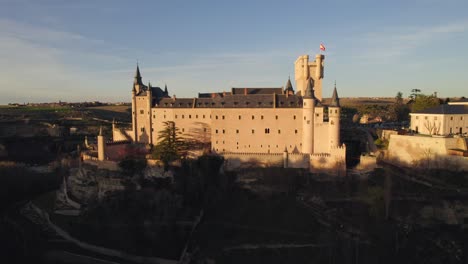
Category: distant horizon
<point>88,50</point>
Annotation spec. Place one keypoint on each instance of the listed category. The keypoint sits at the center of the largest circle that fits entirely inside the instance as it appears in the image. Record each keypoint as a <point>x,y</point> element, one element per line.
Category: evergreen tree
<point>424,101</point>
<point>399,111</point>
<point>170,146</point>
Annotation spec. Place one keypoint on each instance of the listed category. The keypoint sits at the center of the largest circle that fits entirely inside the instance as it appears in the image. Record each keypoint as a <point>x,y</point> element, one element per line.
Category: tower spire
<point>335,100</point>
<point>289,89</point>
<point>309,92</point>
<point>137,75</point>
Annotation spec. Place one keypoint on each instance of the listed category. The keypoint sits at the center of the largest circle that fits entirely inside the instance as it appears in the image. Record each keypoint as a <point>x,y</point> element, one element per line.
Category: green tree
<point>424,101</point>
<point>170,146</point>
<point>399,111</point>
<point>414,94</point>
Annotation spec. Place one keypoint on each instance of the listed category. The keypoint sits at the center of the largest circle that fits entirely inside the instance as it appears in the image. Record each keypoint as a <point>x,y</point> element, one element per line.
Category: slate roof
<point>335,100</point>
<point>251,90</point>
<point>445,109</point>
<point>233,101</point>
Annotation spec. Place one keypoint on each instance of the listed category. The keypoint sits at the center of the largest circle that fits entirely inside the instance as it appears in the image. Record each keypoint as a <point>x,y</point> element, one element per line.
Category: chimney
<point>245,91</point>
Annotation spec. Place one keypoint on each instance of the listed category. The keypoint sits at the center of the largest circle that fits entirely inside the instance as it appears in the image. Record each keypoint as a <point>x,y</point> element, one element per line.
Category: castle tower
<point>101,146</point>
<point>308,108</point>
<point>149,96</point>
<point>334,120</point>
<point>305,70</point>
<point>134,93</point>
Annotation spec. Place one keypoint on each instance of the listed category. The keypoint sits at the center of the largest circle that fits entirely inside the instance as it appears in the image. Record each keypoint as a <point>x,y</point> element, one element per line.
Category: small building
<point>446,119</point>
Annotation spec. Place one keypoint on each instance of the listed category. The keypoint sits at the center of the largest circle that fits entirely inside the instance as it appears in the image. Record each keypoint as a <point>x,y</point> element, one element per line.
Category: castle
<point>268,124</point>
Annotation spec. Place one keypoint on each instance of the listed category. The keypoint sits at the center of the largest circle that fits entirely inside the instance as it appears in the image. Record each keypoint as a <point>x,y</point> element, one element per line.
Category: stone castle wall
<point>431,151</point>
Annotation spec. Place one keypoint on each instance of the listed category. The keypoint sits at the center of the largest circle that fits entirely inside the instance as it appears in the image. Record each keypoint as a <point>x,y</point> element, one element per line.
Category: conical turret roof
<point>309,92</point>
<point>288,86</point>
<point>335,100</point>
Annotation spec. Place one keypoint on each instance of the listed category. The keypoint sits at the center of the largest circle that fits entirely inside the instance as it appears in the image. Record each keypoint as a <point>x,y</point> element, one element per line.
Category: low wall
<point>430,152</point>
<point>245,160</point>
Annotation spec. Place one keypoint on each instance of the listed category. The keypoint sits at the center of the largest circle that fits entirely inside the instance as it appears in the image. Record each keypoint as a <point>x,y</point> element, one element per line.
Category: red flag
<point>322,47</point>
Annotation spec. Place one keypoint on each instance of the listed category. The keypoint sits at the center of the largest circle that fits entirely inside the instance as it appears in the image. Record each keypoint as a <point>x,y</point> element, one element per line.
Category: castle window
<point>164,116</point>
<point>267,131</point>
<point>336,111</point>
<point>253,117</point>
<point>235,103</point>
<point>216,117</point>
<point>180,104</point>
<point>261,117</point>
<point>204,129</point>
<point>223,117</point>
<point>317,114</point>
<point>308,121</point>
<point>417,117</point>
<point>142,129</point>
<point>253,131</point>
<point>240,117</point>
<point>461,117</point>
<point>294,117</point>
<point>304,118</point>
<point>142,111</point>
<point>331,111</point>
<point>276,117</point>
<point>203,116</point>
<point>196,116</point>
<point>224,131</point>
<point>152,129</point>
<point>182,116</point>
<point>237,131</point>
<point>216,131</point>
<point>183,129</point>
<point>176,116</point>
<point>451,118</point>
<point>154,116</point>
<point>189,116</point>
<point>279,131</point>
<point>295,131</point>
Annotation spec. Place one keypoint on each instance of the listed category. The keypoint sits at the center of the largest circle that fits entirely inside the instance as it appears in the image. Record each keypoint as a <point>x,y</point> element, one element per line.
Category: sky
<point>72,51</point>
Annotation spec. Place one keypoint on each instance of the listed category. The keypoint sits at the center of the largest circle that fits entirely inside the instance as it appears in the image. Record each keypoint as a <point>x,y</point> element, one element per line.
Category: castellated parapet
<point>266,124</point>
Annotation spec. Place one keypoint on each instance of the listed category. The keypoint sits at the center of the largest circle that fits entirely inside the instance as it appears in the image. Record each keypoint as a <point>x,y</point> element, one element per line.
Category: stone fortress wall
<point>427,151</point>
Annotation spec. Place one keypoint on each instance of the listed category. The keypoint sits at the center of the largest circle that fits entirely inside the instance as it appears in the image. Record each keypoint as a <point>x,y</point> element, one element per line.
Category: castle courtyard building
<point>257,122</point>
